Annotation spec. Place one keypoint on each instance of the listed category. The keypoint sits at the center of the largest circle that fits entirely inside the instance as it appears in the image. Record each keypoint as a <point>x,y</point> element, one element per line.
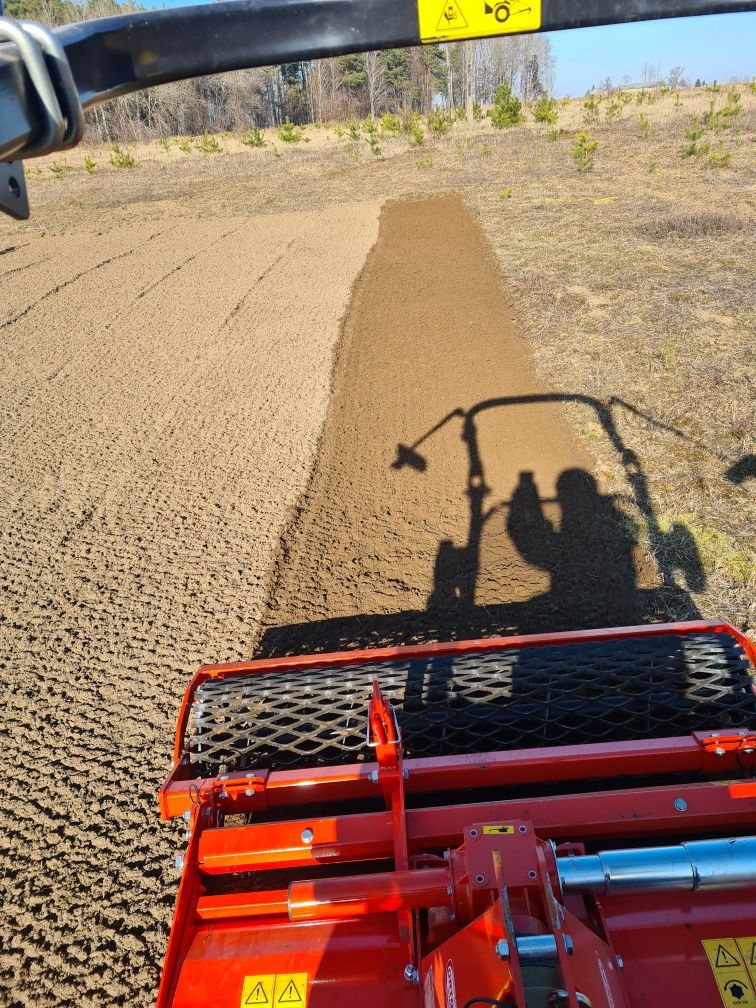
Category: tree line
<point>365,85</point>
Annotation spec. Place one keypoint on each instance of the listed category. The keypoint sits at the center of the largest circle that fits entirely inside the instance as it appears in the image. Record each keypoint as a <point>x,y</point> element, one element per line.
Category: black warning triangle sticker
<point>451,17</point>
<point>725,958</point>
<point>290,995</point>
<point>257,995</point>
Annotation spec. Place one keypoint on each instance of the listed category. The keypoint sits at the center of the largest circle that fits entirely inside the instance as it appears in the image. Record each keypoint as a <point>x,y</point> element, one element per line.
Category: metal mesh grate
<point>593,692</point>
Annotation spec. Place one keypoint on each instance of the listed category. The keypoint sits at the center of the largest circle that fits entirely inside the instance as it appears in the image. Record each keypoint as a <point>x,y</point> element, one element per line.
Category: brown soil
<point>163,389</point>
<point>493,522</point>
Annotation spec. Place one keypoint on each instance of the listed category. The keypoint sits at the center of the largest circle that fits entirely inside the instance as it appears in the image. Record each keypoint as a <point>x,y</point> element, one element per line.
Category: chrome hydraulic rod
<point>699,864</point>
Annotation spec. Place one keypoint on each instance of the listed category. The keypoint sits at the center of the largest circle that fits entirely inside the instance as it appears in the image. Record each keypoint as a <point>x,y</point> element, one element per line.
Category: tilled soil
<point>493,521</point>
<point>164,387</point>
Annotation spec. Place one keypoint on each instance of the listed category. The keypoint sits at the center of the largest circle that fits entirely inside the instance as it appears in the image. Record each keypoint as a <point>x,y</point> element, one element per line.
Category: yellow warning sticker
<point>258,990</point>
<point>728,958</point>
<point>289,990</point>
<point>448,20</point>
<point>494,830</point>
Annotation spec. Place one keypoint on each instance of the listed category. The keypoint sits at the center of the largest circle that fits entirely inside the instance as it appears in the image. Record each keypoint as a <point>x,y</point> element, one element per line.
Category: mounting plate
<point>13,198</point>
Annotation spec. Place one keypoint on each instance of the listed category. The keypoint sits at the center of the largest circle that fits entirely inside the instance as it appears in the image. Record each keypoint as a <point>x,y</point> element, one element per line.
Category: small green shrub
<point>545,110</point>
<point>391,123</point>
<point>163,143</point>
<point>720,158</point>
<point>372,136</point>
<point>253,137</point>
<point>583,149</point>
<point>644,126</point>
<point>552,134</point>
<point>692,146</point>
<point>591,109</point>
<point>120,158</point>
<point>208,145</point>
<point>287,132</point>
<point>751,85</point>
<point>338,130</point>
<point>477,112</point>
<point>353,130</point>
<point>485,150</point>
<point>505,194</point>
<point>90,165</point>
<point>275,151</point>
<point>424,162</point>
<point>439,123</point>
<point>507,108</point>
<point>713,88</point>
<point>416,135</point>
<point>184,145</point>
<point>60,168</point>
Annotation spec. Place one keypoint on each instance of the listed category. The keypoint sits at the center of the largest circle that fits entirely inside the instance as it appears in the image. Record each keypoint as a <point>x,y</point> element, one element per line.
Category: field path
<point>493,521</point>
<point>163,389</point>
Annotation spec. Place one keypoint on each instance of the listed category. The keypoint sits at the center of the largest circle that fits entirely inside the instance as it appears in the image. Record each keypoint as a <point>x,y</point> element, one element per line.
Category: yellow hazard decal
<point>494,830</point>
<point>733,963</point>
<point>450,20</point>
<point>275,990</point>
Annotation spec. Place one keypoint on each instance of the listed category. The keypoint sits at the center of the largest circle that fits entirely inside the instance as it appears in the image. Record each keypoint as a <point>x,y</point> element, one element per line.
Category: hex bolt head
<point>410,973</point>
<point>620,962</point>
<point>223,795</point>
<point>374,777</point>
<point>249,793</point>
<point>680,804</point>
<point>307,835</point>
<point>719,751</point>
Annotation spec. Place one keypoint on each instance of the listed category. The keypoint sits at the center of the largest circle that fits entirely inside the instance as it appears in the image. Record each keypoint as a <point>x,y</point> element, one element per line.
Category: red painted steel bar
<point>607,815</point>
<point>243,905</point>
<point>356,895</point>
<point>495,769</point>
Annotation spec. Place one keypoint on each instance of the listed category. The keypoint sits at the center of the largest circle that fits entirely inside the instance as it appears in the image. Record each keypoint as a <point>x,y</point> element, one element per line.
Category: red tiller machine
<point>366,829</point>
<point>563,820</point>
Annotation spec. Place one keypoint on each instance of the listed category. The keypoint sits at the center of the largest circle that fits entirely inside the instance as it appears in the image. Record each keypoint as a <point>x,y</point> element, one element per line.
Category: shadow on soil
<point>588,554</point>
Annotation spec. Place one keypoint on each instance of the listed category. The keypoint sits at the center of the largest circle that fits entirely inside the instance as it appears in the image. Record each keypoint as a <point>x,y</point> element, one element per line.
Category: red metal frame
<point>415,899</point>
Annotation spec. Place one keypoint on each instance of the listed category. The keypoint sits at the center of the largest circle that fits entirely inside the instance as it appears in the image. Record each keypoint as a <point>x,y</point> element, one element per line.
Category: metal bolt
<point>748,749</point>
<point>480,879</point>
<point>680,804</point>
<point>179,862</point>
<point>410,973</point>
<point>473,833</point>
<point>223,777</point>
<point>449,890</point>
<point>223,796</point>
<point>249,793</point>
<point>374,777</point>
<point>719,751</point>
<point>523,829</point>
<point>405,773</point>
<point>620,961</point>
<point>532,875</point>
<point>307,835</point>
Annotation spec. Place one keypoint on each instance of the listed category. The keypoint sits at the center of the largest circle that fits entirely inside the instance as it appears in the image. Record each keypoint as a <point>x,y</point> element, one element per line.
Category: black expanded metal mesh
<point>543,696</point>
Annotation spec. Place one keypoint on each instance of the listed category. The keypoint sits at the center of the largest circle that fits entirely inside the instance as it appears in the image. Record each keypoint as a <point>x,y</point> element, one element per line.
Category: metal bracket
<point>13,197</point>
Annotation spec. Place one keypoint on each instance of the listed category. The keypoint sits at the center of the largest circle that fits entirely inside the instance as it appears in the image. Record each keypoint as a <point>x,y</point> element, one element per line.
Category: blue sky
<point>715,47</point>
